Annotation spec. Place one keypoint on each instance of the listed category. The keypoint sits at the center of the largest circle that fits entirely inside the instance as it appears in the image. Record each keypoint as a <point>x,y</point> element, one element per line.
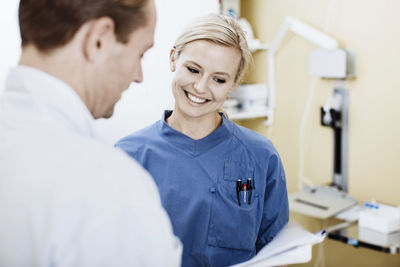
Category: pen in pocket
<point>250,188</point>
<point>238,189</point>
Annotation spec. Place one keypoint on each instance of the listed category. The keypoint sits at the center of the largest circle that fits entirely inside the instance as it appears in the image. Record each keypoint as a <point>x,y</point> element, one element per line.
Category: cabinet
<point>247,101</point>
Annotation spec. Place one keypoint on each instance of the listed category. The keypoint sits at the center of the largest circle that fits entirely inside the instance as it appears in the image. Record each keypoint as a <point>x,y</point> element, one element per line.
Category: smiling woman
<point>223,186</point>
<point>204,76</point>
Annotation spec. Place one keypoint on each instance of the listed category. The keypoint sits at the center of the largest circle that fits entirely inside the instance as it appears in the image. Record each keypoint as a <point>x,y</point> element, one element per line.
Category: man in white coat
<point>66,198</point>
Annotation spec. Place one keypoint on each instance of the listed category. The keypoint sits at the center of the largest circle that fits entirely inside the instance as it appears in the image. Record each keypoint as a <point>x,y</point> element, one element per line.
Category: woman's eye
<point>218,80</point>
<point>192,70</point>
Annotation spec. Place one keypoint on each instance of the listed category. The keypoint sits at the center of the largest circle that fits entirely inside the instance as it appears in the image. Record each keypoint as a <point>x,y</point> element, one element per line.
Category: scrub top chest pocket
<point>236,226</point>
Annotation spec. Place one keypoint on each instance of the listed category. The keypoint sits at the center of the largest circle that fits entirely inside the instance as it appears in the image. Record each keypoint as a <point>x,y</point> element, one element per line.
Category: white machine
<point>329,62</point>
<point>324,202</point>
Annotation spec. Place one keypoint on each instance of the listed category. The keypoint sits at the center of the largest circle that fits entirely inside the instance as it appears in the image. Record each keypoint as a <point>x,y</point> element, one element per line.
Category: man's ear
<point>99,37</point>
<point>172,60</point>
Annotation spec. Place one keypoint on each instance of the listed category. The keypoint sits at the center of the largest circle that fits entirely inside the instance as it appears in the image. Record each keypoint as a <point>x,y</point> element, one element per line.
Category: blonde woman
<point>222,185</point>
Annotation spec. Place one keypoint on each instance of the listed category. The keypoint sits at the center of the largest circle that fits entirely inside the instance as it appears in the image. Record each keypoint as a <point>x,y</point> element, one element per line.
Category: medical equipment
<point>330,62</point>
<point>326,201</point>
<point>327,62</point>
<point>380,217</point>
<point>372,225</point>
<point>334,114</point>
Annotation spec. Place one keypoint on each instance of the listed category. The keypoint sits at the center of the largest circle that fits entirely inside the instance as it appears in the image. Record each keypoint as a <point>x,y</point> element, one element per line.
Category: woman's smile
<point>195,99</point>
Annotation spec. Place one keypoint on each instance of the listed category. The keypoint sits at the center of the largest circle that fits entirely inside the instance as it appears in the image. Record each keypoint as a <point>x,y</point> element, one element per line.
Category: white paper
<point>301,254</point>
<point>291,245</point>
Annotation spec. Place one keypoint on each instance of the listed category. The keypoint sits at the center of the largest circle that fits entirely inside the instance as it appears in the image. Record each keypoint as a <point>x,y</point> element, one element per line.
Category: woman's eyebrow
<point>194,63</point>
<point>223,73</point>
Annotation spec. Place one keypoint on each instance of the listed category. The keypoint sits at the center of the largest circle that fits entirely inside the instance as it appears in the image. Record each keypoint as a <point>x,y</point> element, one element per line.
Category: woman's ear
<point>172,60</point>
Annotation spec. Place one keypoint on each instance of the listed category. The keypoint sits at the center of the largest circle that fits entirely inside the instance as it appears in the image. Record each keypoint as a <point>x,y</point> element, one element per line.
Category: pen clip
<point>250,188</point>
<point>244,188</point>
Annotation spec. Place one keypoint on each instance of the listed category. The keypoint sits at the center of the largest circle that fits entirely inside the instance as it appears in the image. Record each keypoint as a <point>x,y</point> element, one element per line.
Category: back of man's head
<point>49,24</point>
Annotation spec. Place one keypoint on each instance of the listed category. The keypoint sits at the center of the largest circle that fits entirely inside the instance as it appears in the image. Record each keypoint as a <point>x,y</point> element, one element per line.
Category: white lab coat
<point>67,199</point>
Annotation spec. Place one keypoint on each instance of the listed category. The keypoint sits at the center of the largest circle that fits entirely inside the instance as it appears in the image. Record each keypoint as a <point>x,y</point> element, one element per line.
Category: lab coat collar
<point>187,144</point>
<point>53,97</point>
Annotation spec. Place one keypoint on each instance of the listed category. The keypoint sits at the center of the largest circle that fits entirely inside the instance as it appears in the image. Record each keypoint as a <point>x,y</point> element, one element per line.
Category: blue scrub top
<point>197,184</point>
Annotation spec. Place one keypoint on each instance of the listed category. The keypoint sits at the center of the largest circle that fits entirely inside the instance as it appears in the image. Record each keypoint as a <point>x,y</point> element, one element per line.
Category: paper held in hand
<point>292,245</point>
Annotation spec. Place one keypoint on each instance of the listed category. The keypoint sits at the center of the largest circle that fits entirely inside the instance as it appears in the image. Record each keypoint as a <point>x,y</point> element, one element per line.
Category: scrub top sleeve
<point>131,148</point>
<point>276,205</point>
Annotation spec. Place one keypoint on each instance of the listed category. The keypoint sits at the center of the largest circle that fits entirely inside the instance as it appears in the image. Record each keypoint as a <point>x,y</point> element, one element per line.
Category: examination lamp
<point>307,32</point>
<point>328,62</point>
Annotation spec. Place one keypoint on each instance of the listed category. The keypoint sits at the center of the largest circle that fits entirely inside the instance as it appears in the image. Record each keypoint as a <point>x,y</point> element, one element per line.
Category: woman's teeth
<point>196,99</point>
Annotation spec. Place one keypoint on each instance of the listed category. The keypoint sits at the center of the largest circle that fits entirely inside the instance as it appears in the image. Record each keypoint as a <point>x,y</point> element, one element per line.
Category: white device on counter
<point>380,217</point>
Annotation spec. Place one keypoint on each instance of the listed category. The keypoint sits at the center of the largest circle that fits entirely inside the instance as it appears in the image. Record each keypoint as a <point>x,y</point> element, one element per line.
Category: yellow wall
<point>372,29</point>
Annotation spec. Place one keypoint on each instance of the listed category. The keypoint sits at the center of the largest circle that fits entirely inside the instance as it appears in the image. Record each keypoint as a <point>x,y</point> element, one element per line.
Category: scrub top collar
<point>49,92</point>
<point>187,144</point>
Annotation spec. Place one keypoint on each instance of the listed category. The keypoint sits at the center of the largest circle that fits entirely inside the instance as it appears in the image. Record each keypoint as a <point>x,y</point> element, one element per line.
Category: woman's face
<point>204,75</point>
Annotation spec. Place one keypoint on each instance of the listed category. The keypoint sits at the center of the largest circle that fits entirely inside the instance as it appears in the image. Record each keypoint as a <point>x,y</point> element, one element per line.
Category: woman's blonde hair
<point>219,29</point>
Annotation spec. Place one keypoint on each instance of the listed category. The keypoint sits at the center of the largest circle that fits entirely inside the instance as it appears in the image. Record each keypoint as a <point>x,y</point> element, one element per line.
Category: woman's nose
<point>201,85</point>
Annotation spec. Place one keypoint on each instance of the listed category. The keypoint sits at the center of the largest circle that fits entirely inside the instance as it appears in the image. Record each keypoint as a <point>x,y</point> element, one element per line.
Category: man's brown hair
<point>48,24</point>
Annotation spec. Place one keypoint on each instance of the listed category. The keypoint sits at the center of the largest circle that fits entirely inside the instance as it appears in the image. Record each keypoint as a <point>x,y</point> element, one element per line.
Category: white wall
<point>142,104</point>
<point>9,38</point>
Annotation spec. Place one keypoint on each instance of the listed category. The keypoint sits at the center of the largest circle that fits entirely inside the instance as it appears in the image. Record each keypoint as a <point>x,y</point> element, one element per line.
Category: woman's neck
<point>195,128</point>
